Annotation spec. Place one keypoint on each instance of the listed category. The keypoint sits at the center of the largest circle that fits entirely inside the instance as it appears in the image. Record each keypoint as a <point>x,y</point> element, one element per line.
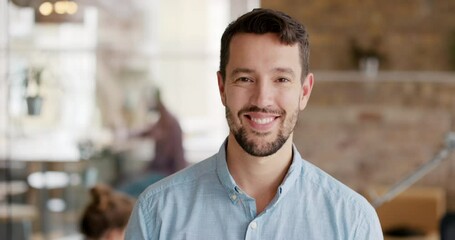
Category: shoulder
<point>158,202</point>
<point>352,208</point>
<point>330,186</point>
<point>181,180</point>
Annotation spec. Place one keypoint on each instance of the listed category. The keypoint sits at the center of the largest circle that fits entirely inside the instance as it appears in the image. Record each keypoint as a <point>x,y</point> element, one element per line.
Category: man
<point>168,157</point>
<point>257,186</point>
<point>167,133</point>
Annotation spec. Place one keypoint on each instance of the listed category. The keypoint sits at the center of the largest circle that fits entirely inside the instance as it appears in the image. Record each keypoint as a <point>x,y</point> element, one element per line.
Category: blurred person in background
<point>168,137</point>
<point>106,215</point>
<point>168,156</point>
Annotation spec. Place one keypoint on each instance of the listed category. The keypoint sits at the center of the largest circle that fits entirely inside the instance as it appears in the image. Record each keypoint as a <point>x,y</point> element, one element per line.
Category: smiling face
<point>263,92</point>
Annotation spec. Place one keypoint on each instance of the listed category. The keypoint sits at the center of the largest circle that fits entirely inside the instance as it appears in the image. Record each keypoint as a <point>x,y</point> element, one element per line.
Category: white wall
<point>67,53</point>
<point>4,37</point>
<point>3,64</point>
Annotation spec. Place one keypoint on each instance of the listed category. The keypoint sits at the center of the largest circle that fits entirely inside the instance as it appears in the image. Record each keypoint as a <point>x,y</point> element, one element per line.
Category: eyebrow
<point>278,69</point>
<point>241,70</point>
<point>284,70</point>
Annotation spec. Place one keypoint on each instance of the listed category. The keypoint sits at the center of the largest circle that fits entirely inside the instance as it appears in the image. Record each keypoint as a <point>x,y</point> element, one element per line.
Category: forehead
<point>260,51</point>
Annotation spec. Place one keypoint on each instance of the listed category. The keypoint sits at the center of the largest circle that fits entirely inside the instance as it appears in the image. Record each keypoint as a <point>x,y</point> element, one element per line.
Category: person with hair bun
<point>106,216</point>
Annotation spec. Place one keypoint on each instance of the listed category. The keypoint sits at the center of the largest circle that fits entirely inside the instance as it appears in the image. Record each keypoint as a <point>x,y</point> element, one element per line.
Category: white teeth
<point>262,120</point>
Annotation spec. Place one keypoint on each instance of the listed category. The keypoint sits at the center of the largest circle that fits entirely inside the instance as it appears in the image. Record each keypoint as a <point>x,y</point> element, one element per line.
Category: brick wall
<point>368,132</point>
<point>408,35</point>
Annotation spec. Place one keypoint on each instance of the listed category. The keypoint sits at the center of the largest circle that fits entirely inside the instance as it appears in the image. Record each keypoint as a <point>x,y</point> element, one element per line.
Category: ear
<point>221,87</point>
<point>307,86</point>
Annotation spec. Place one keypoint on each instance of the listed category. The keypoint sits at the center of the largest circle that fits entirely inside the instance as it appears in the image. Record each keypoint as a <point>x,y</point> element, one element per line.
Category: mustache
<point>261,110</point>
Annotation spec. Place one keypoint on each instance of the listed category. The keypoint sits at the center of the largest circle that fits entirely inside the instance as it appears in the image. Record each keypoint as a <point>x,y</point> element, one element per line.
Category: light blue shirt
<point>204,202</point>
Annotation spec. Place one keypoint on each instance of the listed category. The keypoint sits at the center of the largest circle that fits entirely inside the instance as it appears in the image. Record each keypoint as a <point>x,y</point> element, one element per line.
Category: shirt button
<point>233,197</point>
<point>253,225</point>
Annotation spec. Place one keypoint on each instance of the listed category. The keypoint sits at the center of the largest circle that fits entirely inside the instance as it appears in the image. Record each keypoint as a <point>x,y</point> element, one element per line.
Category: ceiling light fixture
<point>59,7</point>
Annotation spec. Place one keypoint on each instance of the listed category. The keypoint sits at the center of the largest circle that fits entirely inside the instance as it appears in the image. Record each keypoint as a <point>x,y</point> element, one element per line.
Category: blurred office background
<point>76,75</point>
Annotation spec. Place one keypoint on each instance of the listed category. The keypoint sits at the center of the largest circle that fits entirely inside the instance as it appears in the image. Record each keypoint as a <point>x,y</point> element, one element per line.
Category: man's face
<point>263,92</point>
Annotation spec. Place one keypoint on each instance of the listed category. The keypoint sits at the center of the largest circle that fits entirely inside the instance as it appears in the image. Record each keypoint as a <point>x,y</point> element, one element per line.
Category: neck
<point>259,177</point>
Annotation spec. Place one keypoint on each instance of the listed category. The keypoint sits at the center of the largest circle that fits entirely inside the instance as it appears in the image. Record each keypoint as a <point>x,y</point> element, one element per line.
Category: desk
<point>12,188</point>
<point>17,213</point>
<point>42,151</point>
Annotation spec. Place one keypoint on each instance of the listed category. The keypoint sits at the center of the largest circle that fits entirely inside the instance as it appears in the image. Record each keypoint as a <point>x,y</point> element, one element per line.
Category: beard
<point>251,143</point>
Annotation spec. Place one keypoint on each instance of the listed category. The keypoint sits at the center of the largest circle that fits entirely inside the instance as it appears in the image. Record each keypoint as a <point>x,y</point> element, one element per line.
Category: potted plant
<point>33,81</point>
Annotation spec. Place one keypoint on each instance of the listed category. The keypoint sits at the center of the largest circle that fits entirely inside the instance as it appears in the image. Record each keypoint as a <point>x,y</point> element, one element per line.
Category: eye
<point>243,79</point>
<point>283,80</point>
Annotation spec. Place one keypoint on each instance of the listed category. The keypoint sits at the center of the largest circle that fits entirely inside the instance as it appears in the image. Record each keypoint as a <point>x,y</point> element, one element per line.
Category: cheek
<point>290,100</point>
<point>235,100</point>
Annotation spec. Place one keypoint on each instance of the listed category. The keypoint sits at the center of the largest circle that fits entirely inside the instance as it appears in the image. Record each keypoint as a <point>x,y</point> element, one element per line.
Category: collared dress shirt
<point>204,202</point>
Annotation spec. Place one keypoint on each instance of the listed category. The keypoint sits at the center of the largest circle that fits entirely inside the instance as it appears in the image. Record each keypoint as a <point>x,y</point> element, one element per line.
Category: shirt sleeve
<point>136,228</point>
<point>369,227</point>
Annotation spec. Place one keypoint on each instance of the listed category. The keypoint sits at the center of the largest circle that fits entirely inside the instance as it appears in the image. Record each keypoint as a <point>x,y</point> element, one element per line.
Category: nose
<point>262,95</point>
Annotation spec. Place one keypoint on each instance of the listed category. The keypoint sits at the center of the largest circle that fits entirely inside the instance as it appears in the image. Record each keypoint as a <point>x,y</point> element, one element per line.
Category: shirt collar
<point>223,172</point>
<point>293,173</point>
<point>229,184</point>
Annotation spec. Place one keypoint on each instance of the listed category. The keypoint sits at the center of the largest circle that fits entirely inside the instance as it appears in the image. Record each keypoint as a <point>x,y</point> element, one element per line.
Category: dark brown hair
<point>107,210</point>
<point>261,21</point>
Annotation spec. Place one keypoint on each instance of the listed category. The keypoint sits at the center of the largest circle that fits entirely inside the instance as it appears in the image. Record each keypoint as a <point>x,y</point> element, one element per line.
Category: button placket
<point>233,197</point>
<point>253,225</point>
<point>252,231</point>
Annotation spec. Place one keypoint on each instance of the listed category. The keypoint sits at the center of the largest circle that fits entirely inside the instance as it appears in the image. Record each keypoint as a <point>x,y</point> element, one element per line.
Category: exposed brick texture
<point>374,132</point>
<point>409,35</point>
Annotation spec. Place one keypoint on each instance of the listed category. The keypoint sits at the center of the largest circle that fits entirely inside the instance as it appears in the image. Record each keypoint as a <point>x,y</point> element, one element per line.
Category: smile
<point>262,120</point>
